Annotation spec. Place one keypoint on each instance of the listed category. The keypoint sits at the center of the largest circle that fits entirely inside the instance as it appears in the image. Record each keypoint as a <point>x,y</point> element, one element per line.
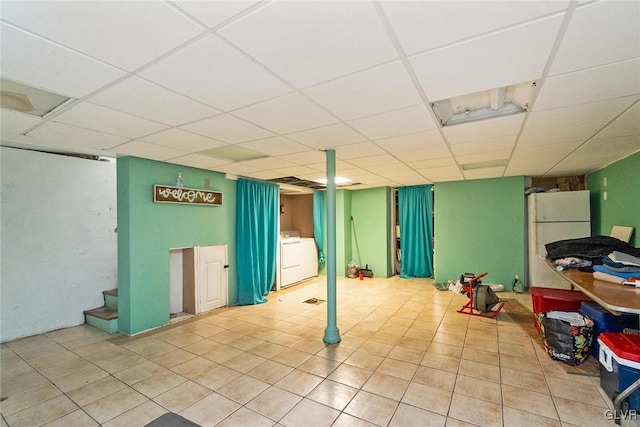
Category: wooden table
<point>614,297</point>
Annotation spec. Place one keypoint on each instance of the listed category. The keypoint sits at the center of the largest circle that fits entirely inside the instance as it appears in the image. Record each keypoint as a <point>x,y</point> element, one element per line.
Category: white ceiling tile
<point>227,128</point>
<point>293,170</point>
<point>599,33</point>
<point>110,121</point>
<point>543,135</point>
<point>15,122</point>
<point>144,99</point>
<point>66,72</point>
<point>268,163</point>
<point>275,146</point>
<point>415,141</point>
<point>520,54</point>
<point>147,150</point>
<point>373,162</point>
<point>327,136</point>
<point>322,166</point>
<point>351,97</point>
<point>495,172</point>
<point>212,72</point>
<point>198,161</point>
<point>212,13</point>
<point>486,156</point>
<point>606,82</point>
<point>305,157</point>
<point>237,169</point>
<point>589,114</point>
<point>435,162</point>
<point>311,42</point>
<point>418,180</point>
<point>63,134</point>
<point>354,151</point>
<point>182,140</point>
<point>546,156</point>
<point>484,129</point>
<point>625,125</point>
<point>607,150</point>
<point>263,175</point>
<point>435,151</point>
<point>442,174</point>
<point>394,123</point>
<point>286,114</point>
<point>423,25</point>
<point>127,34</point>
<point>475,147</point>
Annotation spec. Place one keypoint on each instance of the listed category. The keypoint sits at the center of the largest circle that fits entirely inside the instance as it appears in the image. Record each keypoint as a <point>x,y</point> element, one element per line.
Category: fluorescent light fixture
<point>488,104</point>
<point>339,180</point>
<point>29,100</point>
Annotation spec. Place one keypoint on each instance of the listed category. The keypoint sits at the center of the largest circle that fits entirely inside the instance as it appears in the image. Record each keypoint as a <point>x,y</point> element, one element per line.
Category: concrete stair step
<point>111,298</point>
<point>103,318</point>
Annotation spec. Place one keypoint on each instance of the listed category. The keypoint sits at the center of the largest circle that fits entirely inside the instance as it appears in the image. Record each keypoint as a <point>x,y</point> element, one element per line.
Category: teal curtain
<point>256,239</point>
<point>415,205</point>
<point>318,223</point>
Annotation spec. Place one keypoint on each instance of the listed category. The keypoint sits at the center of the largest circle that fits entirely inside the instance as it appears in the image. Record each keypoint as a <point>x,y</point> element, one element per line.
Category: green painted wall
<point>622,206</point>
<point>147,230</point>
<point>372,216</point>
<point>480,227</point>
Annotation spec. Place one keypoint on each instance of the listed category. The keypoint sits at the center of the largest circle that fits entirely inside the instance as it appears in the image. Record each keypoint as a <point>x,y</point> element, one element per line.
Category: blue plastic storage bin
<point>604,321</point>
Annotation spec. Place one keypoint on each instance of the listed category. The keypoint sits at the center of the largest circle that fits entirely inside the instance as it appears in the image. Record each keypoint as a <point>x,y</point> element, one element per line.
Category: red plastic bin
<point>550,299</point>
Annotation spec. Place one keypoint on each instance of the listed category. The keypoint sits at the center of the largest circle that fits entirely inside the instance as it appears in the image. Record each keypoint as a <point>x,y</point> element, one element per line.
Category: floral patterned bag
<point>564,339</point>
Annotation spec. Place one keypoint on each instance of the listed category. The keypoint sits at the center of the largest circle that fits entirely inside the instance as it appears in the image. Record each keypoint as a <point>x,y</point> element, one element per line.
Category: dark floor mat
<point>171,420</point>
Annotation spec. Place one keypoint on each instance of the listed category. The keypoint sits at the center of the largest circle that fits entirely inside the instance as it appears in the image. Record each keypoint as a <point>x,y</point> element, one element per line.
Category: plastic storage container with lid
<point>605,321</point>
<point>620,365</point>
<point>551,299</point>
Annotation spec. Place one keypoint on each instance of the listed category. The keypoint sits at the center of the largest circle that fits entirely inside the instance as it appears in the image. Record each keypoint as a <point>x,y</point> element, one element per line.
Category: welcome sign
<point>189,196</point>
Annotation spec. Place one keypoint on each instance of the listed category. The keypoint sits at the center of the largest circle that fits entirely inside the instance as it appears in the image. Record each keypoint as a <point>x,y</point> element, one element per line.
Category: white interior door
<point>211,282</point>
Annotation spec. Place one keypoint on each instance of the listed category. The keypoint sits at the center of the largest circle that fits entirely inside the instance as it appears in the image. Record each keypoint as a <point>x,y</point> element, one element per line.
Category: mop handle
<point>355,237</point>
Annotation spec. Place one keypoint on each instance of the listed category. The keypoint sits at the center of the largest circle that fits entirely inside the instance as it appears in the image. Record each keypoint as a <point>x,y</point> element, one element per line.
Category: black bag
<point>565,342</point>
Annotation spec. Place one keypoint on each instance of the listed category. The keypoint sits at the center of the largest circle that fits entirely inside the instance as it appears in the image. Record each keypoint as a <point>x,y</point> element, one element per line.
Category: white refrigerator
<point>551,217</point>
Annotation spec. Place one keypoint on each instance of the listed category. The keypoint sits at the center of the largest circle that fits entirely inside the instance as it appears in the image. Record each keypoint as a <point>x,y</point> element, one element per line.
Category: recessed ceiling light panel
<point>29,100</point>
<point>484,105</point>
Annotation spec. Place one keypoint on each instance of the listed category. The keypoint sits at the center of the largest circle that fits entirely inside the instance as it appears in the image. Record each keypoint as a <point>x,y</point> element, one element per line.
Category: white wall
<point>58,240</point>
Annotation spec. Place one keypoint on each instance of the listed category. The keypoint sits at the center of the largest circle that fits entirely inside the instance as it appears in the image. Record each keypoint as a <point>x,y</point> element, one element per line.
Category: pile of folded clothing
<point>618,267</point>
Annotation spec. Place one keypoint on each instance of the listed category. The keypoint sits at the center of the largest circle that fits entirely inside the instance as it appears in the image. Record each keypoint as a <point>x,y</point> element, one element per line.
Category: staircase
<point>105,318</point>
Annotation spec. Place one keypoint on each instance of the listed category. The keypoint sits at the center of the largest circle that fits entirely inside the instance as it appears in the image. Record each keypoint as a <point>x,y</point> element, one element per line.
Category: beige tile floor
<point>406,358</point>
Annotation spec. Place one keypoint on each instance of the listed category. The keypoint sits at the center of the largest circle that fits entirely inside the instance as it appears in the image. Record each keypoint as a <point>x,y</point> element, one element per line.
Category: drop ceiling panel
<point>520,54</point>
<point>212,72</point>
<point>394,123</point>
<point>326,137</point>
<point>212,13</point>
<point>144,99</point>
<point>494,172</point>
<point>589,114</point>
<point>434,151</point>
<point>340,166</point>
<point>306,157</point>
<point>66,135</point>
<point>546,156</point>
<point>293,170</point>
<point>286,114</point>
<point>436,162</point>
<point>416,141</point>
<point>476,147</point>
<point>594,84</point>
<point>351,97</point>
<point>148,151</point>
<point>625,125</point>
<point>268,163</point>
<point>66,72</point>
<point>182,140</point>
<point>15,122</point>
<point>485,156</point>
<point>275,146</point>
<point>484,129</point>
<point>237,169</point>
<point>227,128</point>
<point>372,163</point>
<point>311,42</point>
<point>111,121</point>
<point>198,161</point>
<point>120,33</point>
<point>354,151</point>
<point>561,135</point>
<point>442,174</point>
<point>419,25</point>
<point>599,33</point>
